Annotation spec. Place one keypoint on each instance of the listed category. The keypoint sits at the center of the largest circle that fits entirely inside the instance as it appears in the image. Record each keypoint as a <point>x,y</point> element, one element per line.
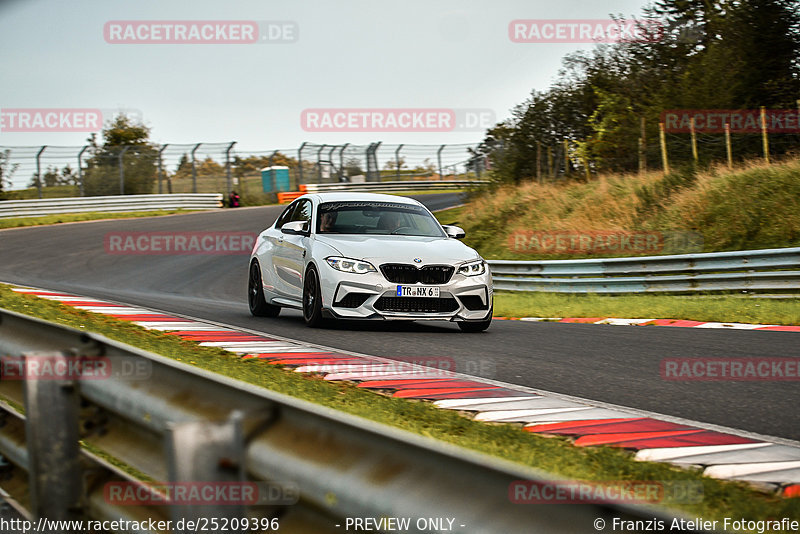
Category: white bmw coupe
<point>368,256</point>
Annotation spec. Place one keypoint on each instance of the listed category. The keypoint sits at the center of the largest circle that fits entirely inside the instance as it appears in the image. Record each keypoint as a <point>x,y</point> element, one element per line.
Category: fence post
<point>39,170</point>
<point>728,148</point>
<point>539,162</point>
<point>194,168</point>
<point>80,171</point>
<point>300,164</point>
<point>161,169</point>
<point>439,160</point>
<point>764,136</point>
<point>397,160</point>
<point>330,161</point>
<point>375,161</point>
<point>228,180</point>
<point>51,434</point>
<point>319,163</point>
<point>663,139</point>
<point>122,170</point>
<point>694,139</point>
<point>341,162</point>
<point>586,167</point>
<point>642,147</point>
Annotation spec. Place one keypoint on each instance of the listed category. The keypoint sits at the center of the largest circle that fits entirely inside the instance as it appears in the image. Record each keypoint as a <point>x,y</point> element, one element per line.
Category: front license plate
<point>418,291</point>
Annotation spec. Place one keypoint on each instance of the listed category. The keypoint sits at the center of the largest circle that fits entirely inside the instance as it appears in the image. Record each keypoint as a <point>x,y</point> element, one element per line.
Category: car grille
<point>352,300</point>
<point>404,273</point>
<point>417,304</point>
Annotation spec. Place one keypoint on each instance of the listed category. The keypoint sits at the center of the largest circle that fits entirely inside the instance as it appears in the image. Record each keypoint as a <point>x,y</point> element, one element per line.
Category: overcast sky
<point>442,54</point>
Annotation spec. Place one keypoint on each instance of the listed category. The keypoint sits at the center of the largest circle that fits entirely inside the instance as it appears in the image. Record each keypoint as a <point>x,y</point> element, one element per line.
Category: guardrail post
<point>228,181</point>
<point>194,168</point>
<point>39,170</point>
<point>211,452</point>
<point>80,170</point>
<point>51,431</point>
<point>122,171</point>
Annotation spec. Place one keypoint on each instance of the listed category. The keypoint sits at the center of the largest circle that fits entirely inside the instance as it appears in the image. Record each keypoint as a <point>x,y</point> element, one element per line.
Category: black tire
<point>476,326</point>
<point>312,299</point>
<point>259,307</point>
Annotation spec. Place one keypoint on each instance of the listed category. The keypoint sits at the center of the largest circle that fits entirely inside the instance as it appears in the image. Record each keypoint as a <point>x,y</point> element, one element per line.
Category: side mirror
<point>296,228</point>
<point>454,231</point>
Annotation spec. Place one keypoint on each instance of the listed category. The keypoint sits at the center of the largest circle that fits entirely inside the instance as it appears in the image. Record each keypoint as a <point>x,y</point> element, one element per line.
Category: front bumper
<point>372,296</point>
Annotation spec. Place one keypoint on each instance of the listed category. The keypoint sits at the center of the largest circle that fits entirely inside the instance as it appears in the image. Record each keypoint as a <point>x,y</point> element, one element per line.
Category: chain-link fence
<point>57,171</point>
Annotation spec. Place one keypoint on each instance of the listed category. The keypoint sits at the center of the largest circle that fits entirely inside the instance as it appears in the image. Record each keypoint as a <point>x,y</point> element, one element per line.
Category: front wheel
<point>476,326</point>
<point>259,307</point>
<point>312,299</point>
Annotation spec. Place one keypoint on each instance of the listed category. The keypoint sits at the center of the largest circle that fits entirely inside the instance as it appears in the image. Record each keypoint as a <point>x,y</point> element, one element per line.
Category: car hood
<point>400,249</point>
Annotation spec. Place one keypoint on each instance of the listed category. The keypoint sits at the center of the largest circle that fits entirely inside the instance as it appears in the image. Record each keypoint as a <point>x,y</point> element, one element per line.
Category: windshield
<point>380,218</point>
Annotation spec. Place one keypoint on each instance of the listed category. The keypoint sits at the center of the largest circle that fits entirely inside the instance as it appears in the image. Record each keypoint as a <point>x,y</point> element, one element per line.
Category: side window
<point>285,217</point>
<point>303,212</point>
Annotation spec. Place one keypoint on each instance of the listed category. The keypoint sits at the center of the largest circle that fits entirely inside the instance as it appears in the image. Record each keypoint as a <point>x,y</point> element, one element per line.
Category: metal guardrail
<point>178,423</point>
<point>767,269</point>
<point>52,206</point>
<point>410,185</point>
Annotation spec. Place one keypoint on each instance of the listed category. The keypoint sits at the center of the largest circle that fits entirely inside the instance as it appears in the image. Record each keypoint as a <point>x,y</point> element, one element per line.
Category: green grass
<point>752,206</point>
<point>555,455</point>
<point>18,222</point>
<point>720,308</point>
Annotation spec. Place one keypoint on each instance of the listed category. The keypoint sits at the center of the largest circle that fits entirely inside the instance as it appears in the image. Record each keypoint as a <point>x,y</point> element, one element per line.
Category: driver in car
<point>391,221</point>
<point>328,221</point>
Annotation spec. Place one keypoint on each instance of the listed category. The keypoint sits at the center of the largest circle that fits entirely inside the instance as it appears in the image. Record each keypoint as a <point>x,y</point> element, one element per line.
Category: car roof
<point>361,197</point>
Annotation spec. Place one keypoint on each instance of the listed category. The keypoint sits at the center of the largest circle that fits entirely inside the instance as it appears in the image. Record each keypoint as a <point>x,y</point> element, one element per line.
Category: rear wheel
<point>259,306</point>
<point>476,326</point>
<point>312,299</point>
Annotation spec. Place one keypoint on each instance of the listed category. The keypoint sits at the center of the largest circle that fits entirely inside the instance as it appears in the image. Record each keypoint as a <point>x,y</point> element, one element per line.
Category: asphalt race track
<point>614,364</point>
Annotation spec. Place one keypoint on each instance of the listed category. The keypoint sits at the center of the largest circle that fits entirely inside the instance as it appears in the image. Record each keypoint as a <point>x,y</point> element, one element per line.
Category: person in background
<point>233,200</point>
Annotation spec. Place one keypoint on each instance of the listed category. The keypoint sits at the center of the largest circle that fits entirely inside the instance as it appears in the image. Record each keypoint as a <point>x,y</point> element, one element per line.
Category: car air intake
<point>352,300</point>
<point>473,302</point>
<point>416,304</point>
<point>405,273</point>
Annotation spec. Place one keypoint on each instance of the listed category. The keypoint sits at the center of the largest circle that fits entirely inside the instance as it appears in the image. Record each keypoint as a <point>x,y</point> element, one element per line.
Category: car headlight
<point>348,265</point>
<point>473,268</point>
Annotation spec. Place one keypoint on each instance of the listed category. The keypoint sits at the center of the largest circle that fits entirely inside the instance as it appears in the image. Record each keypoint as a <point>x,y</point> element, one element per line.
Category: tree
<point>710,54</point>
<point>7,170</point>
<point>125,144</point>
